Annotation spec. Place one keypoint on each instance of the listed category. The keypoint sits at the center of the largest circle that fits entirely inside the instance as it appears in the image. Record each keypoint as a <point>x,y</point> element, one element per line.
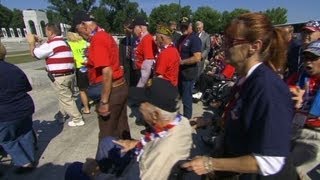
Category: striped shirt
<point>58,55</point>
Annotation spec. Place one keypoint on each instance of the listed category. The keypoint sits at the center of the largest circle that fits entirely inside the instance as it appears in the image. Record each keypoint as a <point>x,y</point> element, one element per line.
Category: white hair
<point>165,115</point>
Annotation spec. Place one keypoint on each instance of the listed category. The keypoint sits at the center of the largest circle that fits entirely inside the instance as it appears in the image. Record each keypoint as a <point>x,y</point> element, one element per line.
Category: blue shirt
<point>260,121</point>
<point>15,102</point>
<point>187,46</point>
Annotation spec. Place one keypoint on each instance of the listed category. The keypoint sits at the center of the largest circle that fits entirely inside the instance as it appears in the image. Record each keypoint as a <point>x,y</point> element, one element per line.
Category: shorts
<point>82,80</point>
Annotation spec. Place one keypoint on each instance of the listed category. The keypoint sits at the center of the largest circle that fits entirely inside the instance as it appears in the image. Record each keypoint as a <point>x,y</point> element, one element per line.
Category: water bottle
<point>83,69</point>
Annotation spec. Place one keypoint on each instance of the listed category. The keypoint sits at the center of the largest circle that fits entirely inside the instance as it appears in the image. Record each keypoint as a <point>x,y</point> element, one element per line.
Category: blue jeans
<point>185,89</point>
<point>17,139</point>
<point>94,92</point>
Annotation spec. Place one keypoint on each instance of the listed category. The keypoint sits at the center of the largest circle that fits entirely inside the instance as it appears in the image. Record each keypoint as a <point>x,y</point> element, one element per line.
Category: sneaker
<point>74,124</point>
<point>60,118</point>
<point>197,95</point>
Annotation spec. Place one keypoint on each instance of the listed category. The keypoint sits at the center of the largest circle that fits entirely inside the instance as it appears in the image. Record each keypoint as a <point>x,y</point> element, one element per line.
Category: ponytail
<point>276,54</point>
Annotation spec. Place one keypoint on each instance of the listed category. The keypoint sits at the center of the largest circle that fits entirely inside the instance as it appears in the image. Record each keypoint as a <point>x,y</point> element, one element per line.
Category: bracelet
<point>207,163</point>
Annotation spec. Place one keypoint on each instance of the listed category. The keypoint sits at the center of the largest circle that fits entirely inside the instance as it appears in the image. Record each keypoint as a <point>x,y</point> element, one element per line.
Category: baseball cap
<point>312,26</point>
<point>79,17</point>
<point>161,94</point>
<point>161,29</point>
<point>185,21</point>
<point>138,21</point>
<point>313,48</point>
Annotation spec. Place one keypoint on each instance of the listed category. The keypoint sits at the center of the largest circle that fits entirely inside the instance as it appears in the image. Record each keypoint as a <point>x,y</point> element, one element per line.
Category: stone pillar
<point>19,32</point>
<point>25,32</point>
<point>12,33</point>
<point>4,32</point>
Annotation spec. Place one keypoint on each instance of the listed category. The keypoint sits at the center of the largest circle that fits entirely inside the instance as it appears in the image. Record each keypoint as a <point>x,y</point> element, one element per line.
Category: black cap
<point>161,94</point>
<point>78,18</point>
<point>138,21</point>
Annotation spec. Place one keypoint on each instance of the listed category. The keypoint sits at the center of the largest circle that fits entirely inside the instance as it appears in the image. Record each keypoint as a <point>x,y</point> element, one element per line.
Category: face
<point>127,30</point>
<point>173,27</point>
<point>235,50</point>
<point>309,36</point>
<point>159,40</point>
<point>83,30</point>
<point>312,64</point>
<point>147,110</point>
<point>137,30</point>
<point>199,28</point>
<point>48,33</point>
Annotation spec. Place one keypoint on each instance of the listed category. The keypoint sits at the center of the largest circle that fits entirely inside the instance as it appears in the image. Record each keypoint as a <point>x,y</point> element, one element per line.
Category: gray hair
<point>165,115</point>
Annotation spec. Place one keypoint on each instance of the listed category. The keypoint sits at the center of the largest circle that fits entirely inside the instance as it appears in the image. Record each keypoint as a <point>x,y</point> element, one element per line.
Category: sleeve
<point>207,47</point>
<point>148,51</point>
<point>161,65</point>
<point>269,165</point>
<point>43,51</point>
<point>100,52</point>
<point>196,45</point>
<point>22,83</point>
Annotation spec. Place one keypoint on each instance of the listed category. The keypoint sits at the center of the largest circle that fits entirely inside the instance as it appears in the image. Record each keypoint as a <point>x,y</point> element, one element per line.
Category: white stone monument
<point>25,32</point>
<point>19,33</point>
<point>4,32</point>
<point>36,18</point>
<point>12,33</point>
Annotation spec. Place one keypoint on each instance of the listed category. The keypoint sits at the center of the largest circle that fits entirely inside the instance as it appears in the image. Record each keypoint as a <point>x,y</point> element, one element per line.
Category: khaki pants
<point>67,105</point>
<point>306,151</point>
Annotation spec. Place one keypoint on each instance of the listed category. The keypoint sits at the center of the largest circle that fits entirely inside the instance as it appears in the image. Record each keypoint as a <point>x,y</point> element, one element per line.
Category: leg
<point>187,98</point>
<point>74,172</point>
<point>66,102</point>
<point>85,101</point>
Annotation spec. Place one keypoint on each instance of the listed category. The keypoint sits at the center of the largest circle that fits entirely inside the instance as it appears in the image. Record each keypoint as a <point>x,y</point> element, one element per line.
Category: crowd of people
<point>269,121</point>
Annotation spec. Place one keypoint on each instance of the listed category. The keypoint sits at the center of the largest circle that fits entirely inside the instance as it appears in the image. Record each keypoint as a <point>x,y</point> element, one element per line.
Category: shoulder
<point>147,38</point>
<point>8,68</point>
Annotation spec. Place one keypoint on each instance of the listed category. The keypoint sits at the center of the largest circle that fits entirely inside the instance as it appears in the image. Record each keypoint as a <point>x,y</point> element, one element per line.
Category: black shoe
<point>24,170</point>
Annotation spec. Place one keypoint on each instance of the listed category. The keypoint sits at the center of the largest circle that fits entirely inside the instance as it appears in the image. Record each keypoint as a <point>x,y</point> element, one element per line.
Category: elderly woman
<point>258,119</point>
<point>16,109</point>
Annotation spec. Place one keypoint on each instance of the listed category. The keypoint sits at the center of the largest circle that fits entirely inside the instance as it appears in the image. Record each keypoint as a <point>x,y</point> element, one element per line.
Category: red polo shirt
<point>146,49</point>
<point>103,52</point>
<point>168,64</point>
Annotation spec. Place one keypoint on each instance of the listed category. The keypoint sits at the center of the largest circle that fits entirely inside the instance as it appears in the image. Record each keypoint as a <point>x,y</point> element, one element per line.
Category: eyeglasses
<point>230,42</point>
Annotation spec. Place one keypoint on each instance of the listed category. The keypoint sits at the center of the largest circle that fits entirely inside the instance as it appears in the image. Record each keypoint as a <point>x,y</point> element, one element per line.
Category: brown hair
<point>55,28</point>
<point>3,51</point>
<point>257,26</point>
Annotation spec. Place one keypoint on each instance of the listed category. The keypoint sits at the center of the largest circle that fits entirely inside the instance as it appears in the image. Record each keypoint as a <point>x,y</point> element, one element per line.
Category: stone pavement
<point>60,145</point>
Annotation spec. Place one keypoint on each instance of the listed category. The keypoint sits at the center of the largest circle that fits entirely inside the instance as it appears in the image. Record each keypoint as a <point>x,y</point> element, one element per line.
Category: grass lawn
<point>20,59</point>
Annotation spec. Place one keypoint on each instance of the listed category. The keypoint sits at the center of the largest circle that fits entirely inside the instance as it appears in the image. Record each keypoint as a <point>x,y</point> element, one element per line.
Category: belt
<point>63,74</point>
<point>118,82</point>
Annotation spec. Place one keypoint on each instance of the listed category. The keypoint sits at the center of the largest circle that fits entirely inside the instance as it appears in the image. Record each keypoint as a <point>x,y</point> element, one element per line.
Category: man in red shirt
<point>107,84</point>
<point>168,61</point>
<point>144,51</point>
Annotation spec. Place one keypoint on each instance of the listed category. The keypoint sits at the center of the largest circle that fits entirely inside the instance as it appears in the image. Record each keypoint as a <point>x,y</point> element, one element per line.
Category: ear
<point>255,47</point>
<point>155,116</point>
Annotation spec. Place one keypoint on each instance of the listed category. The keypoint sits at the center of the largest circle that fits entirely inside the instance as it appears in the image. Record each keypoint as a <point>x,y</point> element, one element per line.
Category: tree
<point>166,13</point>
<point>118,11</point>
<point>17,19</point>
<point>65,9</point>
<point>5,16</point>
<point>277,15</point>
<point>228,16</point>
<point>209,17</point>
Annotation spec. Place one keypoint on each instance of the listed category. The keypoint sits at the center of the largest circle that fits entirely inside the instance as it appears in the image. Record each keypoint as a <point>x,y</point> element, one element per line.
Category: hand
<point>210,73</point>
<point>126,145</point>
<point>103,110</point>
<point>91,167</point>
<point>297,96</point>
<point>31,39</point>
<point>196,165</point>
<point>181,62</point>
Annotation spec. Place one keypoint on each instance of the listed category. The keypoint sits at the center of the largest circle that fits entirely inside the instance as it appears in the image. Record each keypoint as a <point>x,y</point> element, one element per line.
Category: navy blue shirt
<point>187,46</point>
<point>261,119</point>
<point>15,102</point>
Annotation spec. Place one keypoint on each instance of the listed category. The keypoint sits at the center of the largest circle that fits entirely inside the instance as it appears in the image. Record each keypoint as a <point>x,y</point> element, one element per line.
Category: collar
<point>143,34</point>
<point>252,69</point>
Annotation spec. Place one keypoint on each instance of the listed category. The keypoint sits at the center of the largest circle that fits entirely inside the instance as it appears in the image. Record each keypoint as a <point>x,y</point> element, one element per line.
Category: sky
<point>298,10</point>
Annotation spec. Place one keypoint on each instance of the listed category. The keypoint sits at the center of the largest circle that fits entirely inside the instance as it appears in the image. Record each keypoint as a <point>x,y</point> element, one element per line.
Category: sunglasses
<point>310,57</point>
<point>230,42</point>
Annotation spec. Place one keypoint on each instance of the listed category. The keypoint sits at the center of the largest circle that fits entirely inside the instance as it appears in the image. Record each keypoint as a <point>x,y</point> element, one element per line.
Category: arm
<point>43,51</point>
<point>103,109</point>
<point>192,60</point>
<point>145,72</point>
<point>207,47</point>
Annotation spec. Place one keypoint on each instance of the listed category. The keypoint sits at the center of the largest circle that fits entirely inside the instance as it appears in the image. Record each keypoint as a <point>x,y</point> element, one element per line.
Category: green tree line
<point>111,14</point>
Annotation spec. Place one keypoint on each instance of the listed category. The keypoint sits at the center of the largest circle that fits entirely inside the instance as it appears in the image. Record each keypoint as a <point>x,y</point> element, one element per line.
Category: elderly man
<point>189,47</point>
<point>157,152</point>
<point>306,94</point>
<point>310,33</point>
<point>60,67</point>
<point>106,77</point>
<point>206,45</point>
<point>168,61</point>
<point>145,50</point>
